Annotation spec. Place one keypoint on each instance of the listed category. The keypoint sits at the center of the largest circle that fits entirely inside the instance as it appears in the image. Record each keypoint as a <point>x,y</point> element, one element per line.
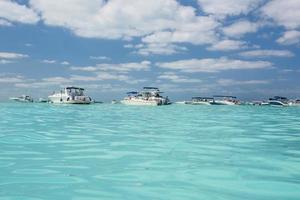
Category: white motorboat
<point>259,103</point>
<point>42,100</point>
<point>202,100</point>
<point>23,98</point>
<point>70,95</point>
<point>224,100</point>
<point>295,102</point>
<point>115,102</point>
<point>148,96</point>
<point>279,101</point>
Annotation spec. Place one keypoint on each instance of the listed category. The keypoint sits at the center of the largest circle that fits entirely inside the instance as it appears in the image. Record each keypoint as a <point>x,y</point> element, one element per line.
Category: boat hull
<point>201,103</point>
<point>68,100</point>
<point>277,103</point>
<point>228,103</point>
<point>140,102</point>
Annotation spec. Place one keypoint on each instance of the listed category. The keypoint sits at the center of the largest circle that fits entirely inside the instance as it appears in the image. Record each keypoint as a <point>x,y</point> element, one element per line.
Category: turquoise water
<point>177,152</point>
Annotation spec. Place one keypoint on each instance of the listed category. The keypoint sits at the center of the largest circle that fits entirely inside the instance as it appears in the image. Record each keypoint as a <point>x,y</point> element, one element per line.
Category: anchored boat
<point>202,100</point>
<point>279,101</point>
<point>70,95</point>
<point>224,100</point>
<point>148,96</point>
<point>23,98</point>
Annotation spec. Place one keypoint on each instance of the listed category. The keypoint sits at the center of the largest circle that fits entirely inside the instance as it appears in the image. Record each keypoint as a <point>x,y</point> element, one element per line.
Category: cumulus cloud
<point>14,12</point>
<point>159,48</point>
<point>113,19</point>
<point>120,67</point>
<point>267,53</point>
<point>213,65</point>
<point>228,7</point>
<point>49,61</point>
<point>289,37</point>
<point>228,45</point>
<point>285,13</point>
<point>173,77</point>
<point>10,55</point>
<point>240,28</point>
<point>64,63</point>
<point>11,78</point>
<point>228,82</point>
<point>4,22</point>
<point>99,58</point>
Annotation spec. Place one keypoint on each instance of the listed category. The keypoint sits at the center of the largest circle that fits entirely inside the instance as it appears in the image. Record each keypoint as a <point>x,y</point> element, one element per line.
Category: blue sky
<point>247,48</point>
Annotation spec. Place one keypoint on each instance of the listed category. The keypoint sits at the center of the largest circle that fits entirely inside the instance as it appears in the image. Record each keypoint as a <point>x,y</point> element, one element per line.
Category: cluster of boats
<point>151,96</point>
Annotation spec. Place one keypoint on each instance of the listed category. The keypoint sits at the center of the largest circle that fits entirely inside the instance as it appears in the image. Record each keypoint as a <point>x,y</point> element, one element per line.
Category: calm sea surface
<point>177,152</point>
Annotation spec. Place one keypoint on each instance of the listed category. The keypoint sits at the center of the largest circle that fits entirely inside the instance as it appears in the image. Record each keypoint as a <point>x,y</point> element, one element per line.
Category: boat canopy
<point>150,88</point>
<point>75,88</point>
<point>278,98</point>
<point>222,96</point>
<point>133,92</point>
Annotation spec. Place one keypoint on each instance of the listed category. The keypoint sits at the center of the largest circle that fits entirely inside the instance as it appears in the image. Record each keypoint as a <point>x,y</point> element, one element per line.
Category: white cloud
<point>113,19</point>
<point>159,48</point>
<point>9,55</point>
<point>4,22</point>
<point>9,78</point>
<point>65,63</point>
<point>159,22</point>
<point>222,8</point>
<point>56,79</point>
<point>14,12</point>
<point>228,82</point>
<point>49,61</point>
<point>289,37</point>
<point>240,28</point>
<point>4,61</point>
<point>201,30</point>
<point>99,58</point>
<point>228,45</point>
<point>283,12</point>
<point>213,65</point>
<point>173,77</point>
<point>267,53</point>
<point>120,67</point>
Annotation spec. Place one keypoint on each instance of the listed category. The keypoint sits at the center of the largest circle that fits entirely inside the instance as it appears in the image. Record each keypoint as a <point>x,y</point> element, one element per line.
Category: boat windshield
<point>75,91</point>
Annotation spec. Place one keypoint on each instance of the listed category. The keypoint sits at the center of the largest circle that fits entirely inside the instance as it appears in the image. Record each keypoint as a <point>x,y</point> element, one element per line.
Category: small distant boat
<point>279,101</point>
<point>42,100</point>
<point>295,102</point>
<point>202,100</point>
<point>148,96</point>
<point>70,95</point>
<point>224,100</point>
<point>115,102</point>
<point>260,103</point>
<point>23,98</point>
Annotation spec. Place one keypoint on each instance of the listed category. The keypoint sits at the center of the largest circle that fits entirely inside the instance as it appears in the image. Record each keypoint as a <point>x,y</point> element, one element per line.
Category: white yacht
<point>23,98</point>
<point>70,95</point>
<point>148,96</point>
<point>279,101</point>
<point>202,100</point>
<point>295,102</point>
<point>224,100</point>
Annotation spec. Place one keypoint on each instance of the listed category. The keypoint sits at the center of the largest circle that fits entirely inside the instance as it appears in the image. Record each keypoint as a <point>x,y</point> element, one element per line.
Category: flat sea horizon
<point>176,152</point>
